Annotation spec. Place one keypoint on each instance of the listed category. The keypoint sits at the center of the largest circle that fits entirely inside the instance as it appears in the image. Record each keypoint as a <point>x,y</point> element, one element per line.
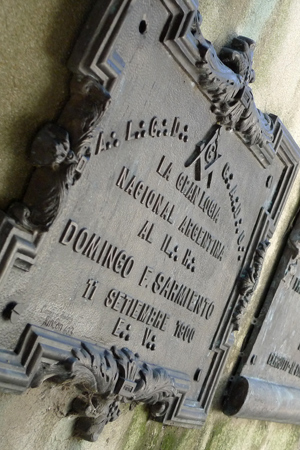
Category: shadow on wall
<point>36,41</point>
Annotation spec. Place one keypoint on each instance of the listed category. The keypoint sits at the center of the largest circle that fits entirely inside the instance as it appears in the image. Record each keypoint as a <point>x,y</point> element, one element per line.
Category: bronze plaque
<point>153,196</point>
<point>267,383</point>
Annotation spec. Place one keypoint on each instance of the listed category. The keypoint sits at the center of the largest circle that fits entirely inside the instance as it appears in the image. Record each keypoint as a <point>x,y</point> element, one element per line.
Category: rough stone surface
<point>35,41</point>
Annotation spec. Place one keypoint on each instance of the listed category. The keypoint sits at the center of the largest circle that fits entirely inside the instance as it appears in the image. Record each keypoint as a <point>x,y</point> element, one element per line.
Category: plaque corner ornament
<point>105,378</point>
<point>60,153</point>
<point>248,282</point>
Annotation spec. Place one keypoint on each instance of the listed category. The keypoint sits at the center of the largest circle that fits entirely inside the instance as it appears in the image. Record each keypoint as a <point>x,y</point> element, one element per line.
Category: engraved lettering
<point>175,127</point>
<point>118,301</point>
<point>145,313</point>
<point>236,207</point>
<point>147,334</point>
<point>100,147</point>
<point>118,327</point>
<point>153,127</point>
<point>202,238</point>
<point>153,130</point>
<point>110,297</point>
<point>180,181</point>
<point>152,316</point>
<point>149,339</point>
<point>103,248</point>
<point>138,190</point>
<point>167,213</point>
<point>184,332</point>
<point>109,256</point>
<point>136,309</point>
<point>129,135</point>
<point>129,262</point>
<point>296,285</point>
<point>164,171</point>
<point>122,178</point>
<point>210,311</point>
<point>284,364</point>
<point>119,261</point>
<point>144,279</point>
<point>90,289</point>
<point>130,185</point>
<point>163,325</point>
<point>127,304</point>
<point>148,197</point>
<point>158,204</point>
<point>92,247</point>
<point>56,325</point>
<point>198,197</point>
<point>69,233</point>
<point>168,250</point>
<point>80,240</point>
<point>182,295</point>
<point>241,238</point>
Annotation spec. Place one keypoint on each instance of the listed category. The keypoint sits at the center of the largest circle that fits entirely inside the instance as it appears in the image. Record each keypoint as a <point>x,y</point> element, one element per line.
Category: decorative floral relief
<point>107,378</point>
<point>248,282</point>
<point>60,153</point>
<point>225,80</point>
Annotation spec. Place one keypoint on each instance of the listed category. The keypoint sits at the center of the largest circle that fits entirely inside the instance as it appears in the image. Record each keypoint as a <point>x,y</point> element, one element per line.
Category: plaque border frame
<point>96,67</point>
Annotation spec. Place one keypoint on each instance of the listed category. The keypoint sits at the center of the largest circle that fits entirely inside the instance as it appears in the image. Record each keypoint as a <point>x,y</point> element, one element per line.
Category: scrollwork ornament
<point>107,378</point>
<point>225,79</point>
<point>248,282</point>
<point>60,153</point>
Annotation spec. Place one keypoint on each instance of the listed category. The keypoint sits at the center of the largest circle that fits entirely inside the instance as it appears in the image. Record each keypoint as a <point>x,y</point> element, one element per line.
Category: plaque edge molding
<point>69,143</point>
<point>105,378</point>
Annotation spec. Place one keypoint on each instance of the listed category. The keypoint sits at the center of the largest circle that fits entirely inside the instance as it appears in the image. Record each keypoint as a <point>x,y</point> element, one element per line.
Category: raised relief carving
<point>205,156</point>
<point>145,232</point>
<point>249,279</point>
<point>236,208</point>
<point>60,153</point>
<point>97,249</point>
<point>158,128</point>
<point>225,79</point>
<point>105,378</point>
<point>156,238</point>
<point>91,288</point>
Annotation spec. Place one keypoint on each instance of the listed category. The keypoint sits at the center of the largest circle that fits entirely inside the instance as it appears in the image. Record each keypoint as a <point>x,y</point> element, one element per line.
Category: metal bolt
<point>14,312</point>
<point>197,375</point>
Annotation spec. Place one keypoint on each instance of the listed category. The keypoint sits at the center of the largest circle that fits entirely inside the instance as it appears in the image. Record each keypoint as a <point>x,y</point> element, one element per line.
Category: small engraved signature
<point>56,325</point>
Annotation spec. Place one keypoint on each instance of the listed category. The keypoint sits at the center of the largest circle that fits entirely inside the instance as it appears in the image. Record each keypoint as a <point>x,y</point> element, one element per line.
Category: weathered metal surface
<point>146,221</point>
<point>267,385</point>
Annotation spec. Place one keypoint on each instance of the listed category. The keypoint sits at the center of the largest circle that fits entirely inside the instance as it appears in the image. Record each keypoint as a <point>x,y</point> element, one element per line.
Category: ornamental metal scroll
<point>179,205</point>
<point>104,378</point>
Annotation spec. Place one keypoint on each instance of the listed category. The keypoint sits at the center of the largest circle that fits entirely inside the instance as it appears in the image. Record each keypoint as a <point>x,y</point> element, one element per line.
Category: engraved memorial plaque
<point>267,382</point>
<point>153,196</point>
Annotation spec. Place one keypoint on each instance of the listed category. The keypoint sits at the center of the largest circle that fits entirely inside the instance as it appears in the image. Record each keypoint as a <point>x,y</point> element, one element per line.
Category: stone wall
<point>35,42</point>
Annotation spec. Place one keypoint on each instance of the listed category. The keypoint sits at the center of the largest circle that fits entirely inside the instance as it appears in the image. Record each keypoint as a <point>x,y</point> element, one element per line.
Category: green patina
<point>218,433</point>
